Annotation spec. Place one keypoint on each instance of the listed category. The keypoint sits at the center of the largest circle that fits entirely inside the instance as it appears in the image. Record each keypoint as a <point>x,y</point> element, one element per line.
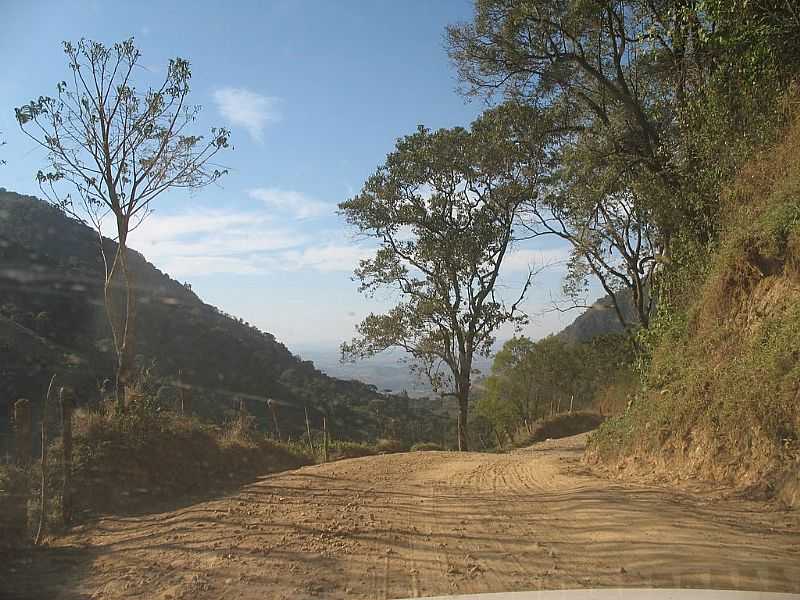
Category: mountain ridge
<point>51,291</point>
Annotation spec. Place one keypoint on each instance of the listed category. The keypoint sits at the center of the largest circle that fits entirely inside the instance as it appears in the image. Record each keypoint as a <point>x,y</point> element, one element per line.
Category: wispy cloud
<point>292,202</point>
<point>244,108</point>
<point>241,243</point>
<point>327,257</point>
<point>213,242</point>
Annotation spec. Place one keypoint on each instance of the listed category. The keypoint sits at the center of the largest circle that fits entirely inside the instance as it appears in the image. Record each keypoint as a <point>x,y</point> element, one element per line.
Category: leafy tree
<point>609,224</point>
<point>613,75</point>
<point>442,209</point>
<point>654,103</point>
<point>617,70</point>
<point>512,392</point>
<point>118,148</point>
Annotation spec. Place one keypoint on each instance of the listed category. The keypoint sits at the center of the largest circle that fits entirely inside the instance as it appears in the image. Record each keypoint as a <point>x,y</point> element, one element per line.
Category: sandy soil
<point>422,524</point>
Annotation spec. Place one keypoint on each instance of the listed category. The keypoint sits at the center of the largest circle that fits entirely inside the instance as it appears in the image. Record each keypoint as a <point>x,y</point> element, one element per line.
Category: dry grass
<point>124,462</point>
<point>724,396</point>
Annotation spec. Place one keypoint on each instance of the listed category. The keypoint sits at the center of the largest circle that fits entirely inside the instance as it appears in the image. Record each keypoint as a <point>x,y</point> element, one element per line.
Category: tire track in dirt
<point>424,524</point>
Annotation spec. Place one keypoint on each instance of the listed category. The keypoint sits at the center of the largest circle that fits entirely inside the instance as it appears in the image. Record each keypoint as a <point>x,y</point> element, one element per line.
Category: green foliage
<point>721,396</point>
<point>442,209</point>
<point>425,447</point>
<point>532,379</point>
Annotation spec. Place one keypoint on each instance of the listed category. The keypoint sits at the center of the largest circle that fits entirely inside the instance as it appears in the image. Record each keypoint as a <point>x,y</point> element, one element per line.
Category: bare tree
<point>118,148</point>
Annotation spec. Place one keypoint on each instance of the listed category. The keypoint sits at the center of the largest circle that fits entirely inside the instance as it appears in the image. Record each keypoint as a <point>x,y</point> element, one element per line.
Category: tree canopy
<point>442,209</point>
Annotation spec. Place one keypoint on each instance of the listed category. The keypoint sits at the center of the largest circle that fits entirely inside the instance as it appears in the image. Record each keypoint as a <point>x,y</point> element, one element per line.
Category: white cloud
<point>328,257</point>
<point>187,266</point>
<point>207,242</point>
<point>241,243</point>
<point>244,108</point>
<point>289,201</point>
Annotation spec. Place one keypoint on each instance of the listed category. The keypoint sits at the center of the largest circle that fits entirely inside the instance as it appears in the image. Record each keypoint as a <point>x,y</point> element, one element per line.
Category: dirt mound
<point>560,426</point>
<point>120,468</point>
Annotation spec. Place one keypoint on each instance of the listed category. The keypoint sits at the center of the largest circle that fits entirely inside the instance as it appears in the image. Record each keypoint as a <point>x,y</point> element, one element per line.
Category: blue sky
<point>316,93</point>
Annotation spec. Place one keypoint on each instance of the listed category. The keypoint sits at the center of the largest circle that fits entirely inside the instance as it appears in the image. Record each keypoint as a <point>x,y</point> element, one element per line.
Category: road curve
<point>424,524</point>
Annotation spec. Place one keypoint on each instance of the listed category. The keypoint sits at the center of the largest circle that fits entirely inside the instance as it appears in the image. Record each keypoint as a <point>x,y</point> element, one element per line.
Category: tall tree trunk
<point>463,405</point>
<point>127,352</point>
<point>120,301</point>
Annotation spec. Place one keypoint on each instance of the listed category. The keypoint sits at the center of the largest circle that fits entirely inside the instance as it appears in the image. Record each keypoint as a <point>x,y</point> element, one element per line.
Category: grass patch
<point>722,397</point>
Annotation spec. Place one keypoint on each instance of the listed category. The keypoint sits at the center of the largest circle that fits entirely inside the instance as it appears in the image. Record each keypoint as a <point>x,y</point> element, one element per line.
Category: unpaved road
<point>423,524</point>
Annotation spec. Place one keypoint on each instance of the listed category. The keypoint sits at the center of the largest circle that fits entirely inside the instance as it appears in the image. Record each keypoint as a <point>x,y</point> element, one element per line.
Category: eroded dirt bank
<point>423,524</point>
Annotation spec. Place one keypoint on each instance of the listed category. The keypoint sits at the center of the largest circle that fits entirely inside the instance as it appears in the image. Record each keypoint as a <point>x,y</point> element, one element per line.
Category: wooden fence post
<point>67,401</point>
<point>184,395</point>
<point>308,431</point>
<point>271,403</point>
<point>22,431</point>
<point>325,438</point>
<point>43,502</point>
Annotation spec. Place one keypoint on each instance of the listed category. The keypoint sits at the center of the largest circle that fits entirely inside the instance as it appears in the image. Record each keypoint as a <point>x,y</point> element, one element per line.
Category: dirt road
<point>422,524</point>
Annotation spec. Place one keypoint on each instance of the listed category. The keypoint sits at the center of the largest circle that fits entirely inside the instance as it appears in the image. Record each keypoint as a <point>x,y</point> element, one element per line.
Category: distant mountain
<point>52,320</point>
<point>387,371</point>
<point>599,319</point>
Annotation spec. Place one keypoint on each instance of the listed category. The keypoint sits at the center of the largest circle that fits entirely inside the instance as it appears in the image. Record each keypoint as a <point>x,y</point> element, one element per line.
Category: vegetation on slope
<point>723,389</point>
<point>52,320</point>
<point>531,381</point>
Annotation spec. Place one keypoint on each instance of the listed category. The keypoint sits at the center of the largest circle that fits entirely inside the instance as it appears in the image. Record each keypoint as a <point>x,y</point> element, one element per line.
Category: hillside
<point>599,319</point>
<point>52,320</point>
<point>723,398</point>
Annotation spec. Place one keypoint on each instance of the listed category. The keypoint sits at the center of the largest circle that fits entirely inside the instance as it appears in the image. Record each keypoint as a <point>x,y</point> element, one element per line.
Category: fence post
<point>271,403</point>
<point>22,431</point>
<point>43,502</point>
<point>184,395</point>
<point>308,431</point>
<point>325,438</point>
<point>458,431</point>
<point>67,401</point>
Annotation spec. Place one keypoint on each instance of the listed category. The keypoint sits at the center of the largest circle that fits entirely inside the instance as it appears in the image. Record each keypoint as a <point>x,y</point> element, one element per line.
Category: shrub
<point>390,446</point>
<point>426,447</point>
